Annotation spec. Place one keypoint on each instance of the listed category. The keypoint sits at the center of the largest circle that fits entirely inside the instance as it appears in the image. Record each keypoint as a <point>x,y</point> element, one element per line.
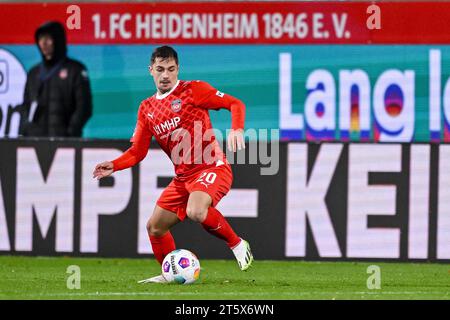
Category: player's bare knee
<point>149,225</point>
<point>197,214</point>
<point>153,230</point>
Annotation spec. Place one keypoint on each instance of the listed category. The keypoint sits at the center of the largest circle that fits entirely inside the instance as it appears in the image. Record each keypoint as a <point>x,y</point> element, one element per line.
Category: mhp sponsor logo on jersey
<point>167,125</point>
<point>12,83</point>
<point>366,102</point>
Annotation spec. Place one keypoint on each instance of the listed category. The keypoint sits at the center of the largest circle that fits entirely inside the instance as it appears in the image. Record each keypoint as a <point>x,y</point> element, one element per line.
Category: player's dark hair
<point>164,52</point>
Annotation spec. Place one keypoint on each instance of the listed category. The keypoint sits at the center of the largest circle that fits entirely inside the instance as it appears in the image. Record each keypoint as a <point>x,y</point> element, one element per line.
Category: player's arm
<point>136,153</point>
<point>205,96</point>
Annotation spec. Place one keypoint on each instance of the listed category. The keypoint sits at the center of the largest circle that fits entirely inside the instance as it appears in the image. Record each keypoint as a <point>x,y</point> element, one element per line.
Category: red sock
<point>216,224</point>
<point>162,245</point>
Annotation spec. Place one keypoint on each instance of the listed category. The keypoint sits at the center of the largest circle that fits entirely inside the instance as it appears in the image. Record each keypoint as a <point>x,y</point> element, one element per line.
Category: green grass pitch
<point>46,278</point>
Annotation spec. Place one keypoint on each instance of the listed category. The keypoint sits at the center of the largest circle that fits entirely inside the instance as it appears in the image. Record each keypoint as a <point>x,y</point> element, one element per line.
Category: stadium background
<point>327,124</point>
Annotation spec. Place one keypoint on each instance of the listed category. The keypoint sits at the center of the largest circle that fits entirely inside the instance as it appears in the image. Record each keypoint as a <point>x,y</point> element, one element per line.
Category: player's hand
<point>103,169</point>
<point>236,140</point>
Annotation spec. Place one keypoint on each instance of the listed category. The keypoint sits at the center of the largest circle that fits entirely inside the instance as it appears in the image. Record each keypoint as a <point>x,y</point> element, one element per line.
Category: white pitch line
<point>94,294</point>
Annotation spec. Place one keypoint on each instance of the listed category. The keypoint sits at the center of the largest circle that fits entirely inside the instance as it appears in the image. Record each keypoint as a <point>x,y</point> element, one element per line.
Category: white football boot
<point>243,255</point>
<point>155,279</point>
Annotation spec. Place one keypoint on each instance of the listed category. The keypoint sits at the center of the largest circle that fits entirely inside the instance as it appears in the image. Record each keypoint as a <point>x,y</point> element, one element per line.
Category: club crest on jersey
<point>176,105</point>
<point>63,74</point>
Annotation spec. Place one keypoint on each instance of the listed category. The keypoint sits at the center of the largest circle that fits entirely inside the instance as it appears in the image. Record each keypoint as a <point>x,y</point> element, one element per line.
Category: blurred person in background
<point>57,98</point>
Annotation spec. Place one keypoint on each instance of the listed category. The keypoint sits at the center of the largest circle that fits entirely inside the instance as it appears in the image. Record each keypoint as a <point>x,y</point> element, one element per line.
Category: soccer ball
<point>181,266</point>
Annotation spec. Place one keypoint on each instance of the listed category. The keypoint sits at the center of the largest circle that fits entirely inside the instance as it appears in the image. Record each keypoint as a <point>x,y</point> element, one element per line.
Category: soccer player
<point>175,115</point>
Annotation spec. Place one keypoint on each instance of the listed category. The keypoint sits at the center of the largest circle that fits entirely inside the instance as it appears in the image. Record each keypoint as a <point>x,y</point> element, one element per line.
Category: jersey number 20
<point>210,177</point>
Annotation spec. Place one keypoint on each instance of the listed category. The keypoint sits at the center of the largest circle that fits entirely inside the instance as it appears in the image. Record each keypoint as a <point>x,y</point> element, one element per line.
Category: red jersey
<point>179,120</point>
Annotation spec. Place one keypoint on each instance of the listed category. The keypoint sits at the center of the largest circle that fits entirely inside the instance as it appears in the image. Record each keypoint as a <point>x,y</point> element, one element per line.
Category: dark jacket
<point>57,98</point>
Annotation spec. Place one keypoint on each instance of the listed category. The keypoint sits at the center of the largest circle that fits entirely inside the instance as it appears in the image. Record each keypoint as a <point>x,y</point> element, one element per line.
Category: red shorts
<point>215,181</point>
